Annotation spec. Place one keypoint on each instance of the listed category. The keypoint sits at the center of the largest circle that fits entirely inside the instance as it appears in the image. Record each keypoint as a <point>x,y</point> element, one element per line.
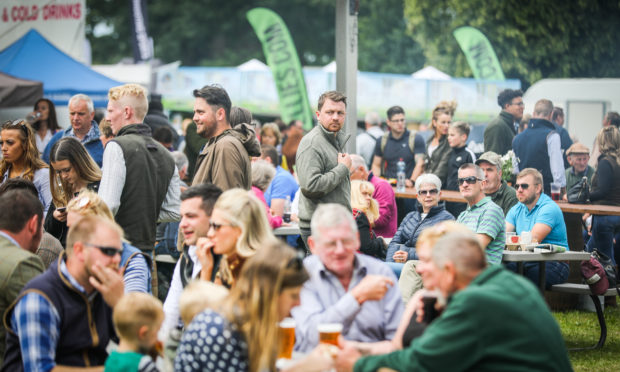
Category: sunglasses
<point>428,192</point>
<point>16,124</point>
<point>108,251</point>
<point>470,180</point>
<point>217,226</point>
<point>523,186</point>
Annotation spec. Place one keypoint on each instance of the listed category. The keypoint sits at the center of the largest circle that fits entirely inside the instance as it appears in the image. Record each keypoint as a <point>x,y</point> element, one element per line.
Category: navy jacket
<point>411,227</point>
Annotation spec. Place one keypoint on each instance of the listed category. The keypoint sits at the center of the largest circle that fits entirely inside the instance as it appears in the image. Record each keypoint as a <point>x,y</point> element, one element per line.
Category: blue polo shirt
<point>283,184</point>
<point>545,211</point>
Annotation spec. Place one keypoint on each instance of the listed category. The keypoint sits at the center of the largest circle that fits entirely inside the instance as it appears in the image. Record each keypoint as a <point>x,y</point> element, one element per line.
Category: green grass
<point>580,329</point>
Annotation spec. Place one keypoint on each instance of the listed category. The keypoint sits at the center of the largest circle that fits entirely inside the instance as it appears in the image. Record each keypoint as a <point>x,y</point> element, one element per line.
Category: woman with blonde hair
<point>606,190</point>
<point>243,332</point>
<point>71,171</point>
<point>238,229</point>
<point>20,158</point>
<point>366,212</point>
<point>270,135</point>
<point>135,264</point>
<point>437,147</point>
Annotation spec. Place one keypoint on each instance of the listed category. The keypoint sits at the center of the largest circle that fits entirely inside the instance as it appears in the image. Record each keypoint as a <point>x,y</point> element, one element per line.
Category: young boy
<point>460,154</point>
<point>198,296</point>
<point>137,318</point>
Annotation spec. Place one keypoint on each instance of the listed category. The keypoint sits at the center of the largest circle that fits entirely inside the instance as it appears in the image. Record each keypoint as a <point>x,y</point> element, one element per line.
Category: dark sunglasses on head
<point>524,186</point>
<point>16,124</point>
<point>470,180</point>
<point>296,262</point>
<point>428,192</point>
<point>108,251</point>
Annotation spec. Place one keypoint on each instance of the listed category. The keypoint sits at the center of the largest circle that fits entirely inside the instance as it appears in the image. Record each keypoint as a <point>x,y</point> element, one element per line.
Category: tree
<point>217,33</point>
<point>533,40</point>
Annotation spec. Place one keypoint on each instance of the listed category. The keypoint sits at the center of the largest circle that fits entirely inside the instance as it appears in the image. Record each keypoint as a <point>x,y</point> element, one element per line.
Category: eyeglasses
<point>217,226</point>
<point>16,124</point>
<point>108,251</point>
<point>428,192</point>
<point>470,180</point>
<point>523,186</point>
<point>518,104</point>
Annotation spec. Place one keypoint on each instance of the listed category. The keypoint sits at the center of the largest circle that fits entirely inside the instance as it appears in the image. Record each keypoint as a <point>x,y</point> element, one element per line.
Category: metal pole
<point>346,62</point>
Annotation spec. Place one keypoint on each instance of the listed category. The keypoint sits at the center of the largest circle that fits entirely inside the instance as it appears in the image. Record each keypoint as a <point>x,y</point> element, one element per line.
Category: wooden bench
<point>584,289</point>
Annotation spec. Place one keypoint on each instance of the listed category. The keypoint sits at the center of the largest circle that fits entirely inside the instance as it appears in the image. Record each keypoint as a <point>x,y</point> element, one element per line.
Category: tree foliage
<point>532,39</point>
<point>217,33</point>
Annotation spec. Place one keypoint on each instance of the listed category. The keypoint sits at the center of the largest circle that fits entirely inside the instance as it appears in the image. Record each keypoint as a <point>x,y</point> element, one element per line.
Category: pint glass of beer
<point>287,338</point>
<point>329,332</point>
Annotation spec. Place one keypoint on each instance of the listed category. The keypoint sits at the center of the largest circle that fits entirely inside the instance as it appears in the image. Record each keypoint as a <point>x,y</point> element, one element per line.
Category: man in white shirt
<point>196,206</point>
<point>140,182</point>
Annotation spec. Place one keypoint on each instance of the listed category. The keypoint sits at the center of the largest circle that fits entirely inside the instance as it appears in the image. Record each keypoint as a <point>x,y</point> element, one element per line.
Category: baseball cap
<point>577,148</point>
<point>490,157</point>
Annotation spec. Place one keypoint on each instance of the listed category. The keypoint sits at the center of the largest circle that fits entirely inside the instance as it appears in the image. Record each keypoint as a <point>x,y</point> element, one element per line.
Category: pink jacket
<point>274,221</point>
<point>387,223</point>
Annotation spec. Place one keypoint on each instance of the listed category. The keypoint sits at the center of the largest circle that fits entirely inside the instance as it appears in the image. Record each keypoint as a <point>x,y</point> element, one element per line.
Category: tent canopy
<point>431,73</point>
<point>32,57</point>
<point>18,92</point>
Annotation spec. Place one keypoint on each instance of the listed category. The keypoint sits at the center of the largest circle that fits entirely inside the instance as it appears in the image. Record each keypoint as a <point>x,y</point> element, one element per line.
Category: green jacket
<point>499,133</point>
<point>500,322</point>
<point>321,178</point>
<point>572,178</point>
<point>17,267</point>
<point>505,197</point>
<point>437,164</point>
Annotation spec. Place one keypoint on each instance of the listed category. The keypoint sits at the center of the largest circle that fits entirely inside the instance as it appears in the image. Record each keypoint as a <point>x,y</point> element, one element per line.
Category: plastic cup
<point>555,191</point>
<point>329,332</point>
<point>287,338</point>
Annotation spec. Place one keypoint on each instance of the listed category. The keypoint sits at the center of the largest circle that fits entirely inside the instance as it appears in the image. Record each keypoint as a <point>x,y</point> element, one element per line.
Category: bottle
<point>33,118</point>
<point>400,175</point>
<point>286,216</point>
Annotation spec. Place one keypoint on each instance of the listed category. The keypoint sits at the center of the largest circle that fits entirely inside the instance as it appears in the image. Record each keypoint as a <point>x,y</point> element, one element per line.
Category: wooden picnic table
<point>455,196</point>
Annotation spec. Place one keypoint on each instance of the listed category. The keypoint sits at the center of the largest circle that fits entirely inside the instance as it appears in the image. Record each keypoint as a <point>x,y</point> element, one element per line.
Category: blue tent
<point>32,57</point>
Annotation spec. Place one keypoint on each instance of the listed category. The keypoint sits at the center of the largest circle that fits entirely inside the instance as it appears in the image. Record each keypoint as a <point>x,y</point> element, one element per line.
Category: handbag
<point>599,273</point>
<point>579,193</point>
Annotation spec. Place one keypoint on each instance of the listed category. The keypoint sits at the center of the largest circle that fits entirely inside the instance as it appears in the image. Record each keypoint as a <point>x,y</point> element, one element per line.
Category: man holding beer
<point>348,293</point>
<point>495,321</point>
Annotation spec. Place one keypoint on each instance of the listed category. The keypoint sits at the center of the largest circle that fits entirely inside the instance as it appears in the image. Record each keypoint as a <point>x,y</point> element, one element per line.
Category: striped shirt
<point>486,217</point>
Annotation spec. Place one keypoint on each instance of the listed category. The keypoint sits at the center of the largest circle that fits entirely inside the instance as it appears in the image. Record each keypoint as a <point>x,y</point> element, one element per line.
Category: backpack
<point>384,139</point>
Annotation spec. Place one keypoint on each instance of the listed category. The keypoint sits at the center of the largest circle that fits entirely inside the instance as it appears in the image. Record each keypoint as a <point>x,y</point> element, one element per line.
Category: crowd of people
<point>415,284</point>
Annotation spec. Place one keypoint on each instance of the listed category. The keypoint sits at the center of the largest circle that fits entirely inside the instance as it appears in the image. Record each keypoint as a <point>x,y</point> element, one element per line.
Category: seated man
<point>196,206</point>
<point>495,187</point>
<point>540,215</point>
<point>345,287</point>
<point>386,224</point>
<point>482,216</point>
<point>494,321</point>
<point>63,317</point>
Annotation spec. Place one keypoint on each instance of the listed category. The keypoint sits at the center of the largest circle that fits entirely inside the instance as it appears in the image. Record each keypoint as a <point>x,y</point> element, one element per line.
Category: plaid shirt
<point>37,324</point>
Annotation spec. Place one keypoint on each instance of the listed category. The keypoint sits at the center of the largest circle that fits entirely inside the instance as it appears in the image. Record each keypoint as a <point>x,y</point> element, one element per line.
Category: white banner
<point>59,21</point>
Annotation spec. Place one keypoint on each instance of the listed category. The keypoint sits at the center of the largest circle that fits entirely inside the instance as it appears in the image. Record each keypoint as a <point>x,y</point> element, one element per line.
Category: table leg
<point>541,276</point>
